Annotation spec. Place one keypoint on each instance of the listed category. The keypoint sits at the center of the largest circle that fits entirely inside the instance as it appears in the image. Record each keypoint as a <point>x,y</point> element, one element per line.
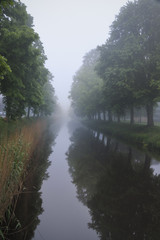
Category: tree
<point>4,67</point>
<point>117,92</point>
<point>47,107</point>
<point>20,45</point>
<point>129,60</point>
<point>15,45</point>
<point>5,3</point>
<point>86,91</point>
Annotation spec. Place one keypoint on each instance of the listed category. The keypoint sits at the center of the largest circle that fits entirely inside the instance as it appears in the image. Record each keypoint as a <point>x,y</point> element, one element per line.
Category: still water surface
<point>89,186</point>
<point>64,217</point>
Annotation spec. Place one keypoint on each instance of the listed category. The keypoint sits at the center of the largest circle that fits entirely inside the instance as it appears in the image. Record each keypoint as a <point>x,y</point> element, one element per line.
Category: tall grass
<point>15,153</point>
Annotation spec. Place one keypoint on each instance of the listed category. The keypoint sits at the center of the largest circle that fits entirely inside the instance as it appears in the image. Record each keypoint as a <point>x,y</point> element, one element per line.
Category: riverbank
<point>139,135</point>
<point>18,140</point>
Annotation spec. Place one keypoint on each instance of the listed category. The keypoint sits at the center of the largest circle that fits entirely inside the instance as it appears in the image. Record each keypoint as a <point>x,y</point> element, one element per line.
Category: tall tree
<point>49,99</point>
<point>86,91</point>
<point>134,60</point>
<point>20,45</point>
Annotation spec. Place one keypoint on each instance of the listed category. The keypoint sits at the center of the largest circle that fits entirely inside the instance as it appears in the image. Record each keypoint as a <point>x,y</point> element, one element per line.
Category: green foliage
<point>86,92</point>
<point>5,3</point>
<point>49,100</point>
<point>20,45</point>
<point>127,66</point>
<point>4,67</point>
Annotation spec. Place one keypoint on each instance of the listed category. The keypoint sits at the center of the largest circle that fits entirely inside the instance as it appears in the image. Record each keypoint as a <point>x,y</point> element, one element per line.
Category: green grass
<point>139,135</point>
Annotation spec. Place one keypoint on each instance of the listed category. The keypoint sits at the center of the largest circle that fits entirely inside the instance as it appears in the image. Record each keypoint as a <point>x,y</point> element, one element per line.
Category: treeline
<point>25,82</point>
<point>124,73</point>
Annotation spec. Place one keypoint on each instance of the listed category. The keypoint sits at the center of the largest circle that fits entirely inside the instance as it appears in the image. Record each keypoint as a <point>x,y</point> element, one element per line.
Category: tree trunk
<point>99,116</point>
<point>147,162</point>
<point>118,118</point>
<point>98,134</point>
<point>149,110</point>
<point>103,137</point>
<point>108,143</point>
<point>132,115</point>
<point>104,116</point>
<point>28,112</point>
<point>109,116</point>
<point>116,147</point>
<point>140,117</point>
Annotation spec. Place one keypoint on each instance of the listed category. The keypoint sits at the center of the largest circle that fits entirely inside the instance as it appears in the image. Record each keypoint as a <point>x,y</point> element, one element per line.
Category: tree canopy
<point>129,61</point>
<point>23,75</point>
<point>86,91</point>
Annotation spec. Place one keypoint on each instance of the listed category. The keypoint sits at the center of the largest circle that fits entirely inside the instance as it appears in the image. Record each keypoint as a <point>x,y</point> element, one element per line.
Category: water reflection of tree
<point>118,186</point>
<point>29,205</point>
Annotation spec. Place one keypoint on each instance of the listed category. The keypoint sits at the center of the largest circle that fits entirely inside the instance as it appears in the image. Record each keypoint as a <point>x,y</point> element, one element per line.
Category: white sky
<point>68,30</point>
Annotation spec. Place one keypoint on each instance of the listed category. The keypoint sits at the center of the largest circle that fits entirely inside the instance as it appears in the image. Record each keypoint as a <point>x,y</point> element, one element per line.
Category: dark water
<point>87,186</point>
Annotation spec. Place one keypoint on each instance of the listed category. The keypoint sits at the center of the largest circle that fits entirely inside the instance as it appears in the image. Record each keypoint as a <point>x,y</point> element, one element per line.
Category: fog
<point>68,30</point>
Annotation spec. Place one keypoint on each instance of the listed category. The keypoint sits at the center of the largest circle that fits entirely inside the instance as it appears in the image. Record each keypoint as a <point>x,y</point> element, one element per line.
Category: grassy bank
<point>17,143</point>
<point>139,135</point>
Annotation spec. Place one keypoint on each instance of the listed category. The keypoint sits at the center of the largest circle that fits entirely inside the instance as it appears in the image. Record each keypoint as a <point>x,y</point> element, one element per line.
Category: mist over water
<point>64,216</point>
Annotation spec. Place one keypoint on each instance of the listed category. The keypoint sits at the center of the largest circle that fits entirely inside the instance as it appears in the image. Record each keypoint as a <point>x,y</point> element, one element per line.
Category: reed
<point>15,154</point>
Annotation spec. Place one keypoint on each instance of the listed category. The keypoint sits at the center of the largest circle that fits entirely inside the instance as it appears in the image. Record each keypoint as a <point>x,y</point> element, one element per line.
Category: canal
<point>85,185</point>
